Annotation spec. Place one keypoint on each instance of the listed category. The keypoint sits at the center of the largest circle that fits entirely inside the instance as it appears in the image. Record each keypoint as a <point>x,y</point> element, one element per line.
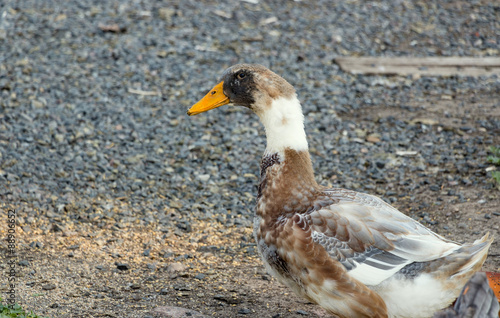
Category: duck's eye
<point>241,75</point>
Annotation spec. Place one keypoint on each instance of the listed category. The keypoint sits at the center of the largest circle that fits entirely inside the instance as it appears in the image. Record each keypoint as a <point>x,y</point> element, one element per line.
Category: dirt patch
<point>213,269</point>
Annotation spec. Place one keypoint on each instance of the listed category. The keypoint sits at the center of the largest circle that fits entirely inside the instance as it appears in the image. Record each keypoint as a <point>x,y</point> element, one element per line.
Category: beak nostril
<point>213,92</point>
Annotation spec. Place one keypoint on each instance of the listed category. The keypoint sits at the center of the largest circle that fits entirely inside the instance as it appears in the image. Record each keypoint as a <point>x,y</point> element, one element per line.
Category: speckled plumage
<point>313,239</point>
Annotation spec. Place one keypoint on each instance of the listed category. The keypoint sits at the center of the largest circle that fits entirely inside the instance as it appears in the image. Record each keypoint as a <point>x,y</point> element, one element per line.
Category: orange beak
<point>215,98</point>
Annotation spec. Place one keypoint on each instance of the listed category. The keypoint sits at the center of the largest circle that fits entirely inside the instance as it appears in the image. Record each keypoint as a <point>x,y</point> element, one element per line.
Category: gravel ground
<point>114,185</point>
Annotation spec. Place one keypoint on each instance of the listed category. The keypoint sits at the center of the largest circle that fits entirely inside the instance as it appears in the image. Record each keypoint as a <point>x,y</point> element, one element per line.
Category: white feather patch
<point>416,298</point>
<point>372,276</point>
<point>284,124</point>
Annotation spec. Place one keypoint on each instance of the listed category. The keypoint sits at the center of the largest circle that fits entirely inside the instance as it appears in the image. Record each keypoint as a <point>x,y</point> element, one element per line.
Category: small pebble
<point>244,311</point>
<point>151,266</point>
<point>122,266</point>
<point>200,276</point>
<point>36,245</point>
<point>175,267</point>
<point>435,187</point>
<point>167,254</point>
<point>171,311</point>
<point>49,287</point>
<point>203,177</point>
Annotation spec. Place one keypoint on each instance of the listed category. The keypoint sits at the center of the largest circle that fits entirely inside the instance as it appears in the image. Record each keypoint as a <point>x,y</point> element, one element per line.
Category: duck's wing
<point>370,238</point>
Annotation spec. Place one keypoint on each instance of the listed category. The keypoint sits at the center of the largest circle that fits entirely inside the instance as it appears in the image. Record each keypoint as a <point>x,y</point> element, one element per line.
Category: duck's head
<point>267,94</point>
<point>250,85</point>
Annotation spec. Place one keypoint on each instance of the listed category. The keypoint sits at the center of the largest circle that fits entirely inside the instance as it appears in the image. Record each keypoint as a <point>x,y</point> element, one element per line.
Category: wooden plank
<point>432,66</point>
<point>428,61</point>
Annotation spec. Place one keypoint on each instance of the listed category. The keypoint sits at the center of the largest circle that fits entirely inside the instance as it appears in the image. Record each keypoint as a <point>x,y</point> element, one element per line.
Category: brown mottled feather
<point>308,264</point>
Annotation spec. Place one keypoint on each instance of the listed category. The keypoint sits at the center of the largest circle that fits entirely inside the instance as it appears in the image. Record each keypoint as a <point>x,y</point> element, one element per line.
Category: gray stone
<point>176,312</point>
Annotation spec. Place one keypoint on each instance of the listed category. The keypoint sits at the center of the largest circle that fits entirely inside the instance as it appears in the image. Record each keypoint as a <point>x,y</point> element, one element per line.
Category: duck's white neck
<point>284,124</point>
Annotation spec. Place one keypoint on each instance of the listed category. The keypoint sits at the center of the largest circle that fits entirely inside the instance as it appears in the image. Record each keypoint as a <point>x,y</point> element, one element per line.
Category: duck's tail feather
<point>476,252</point>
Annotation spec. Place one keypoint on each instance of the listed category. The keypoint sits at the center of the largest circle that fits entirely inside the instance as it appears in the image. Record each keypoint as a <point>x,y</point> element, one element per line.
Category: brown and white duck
<point>349,252</point>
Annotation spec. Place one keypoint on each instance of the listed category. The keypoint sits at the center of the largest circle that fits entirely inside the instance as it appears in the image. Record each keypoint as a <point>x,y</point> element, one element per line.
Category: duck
<point>349,252</point>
